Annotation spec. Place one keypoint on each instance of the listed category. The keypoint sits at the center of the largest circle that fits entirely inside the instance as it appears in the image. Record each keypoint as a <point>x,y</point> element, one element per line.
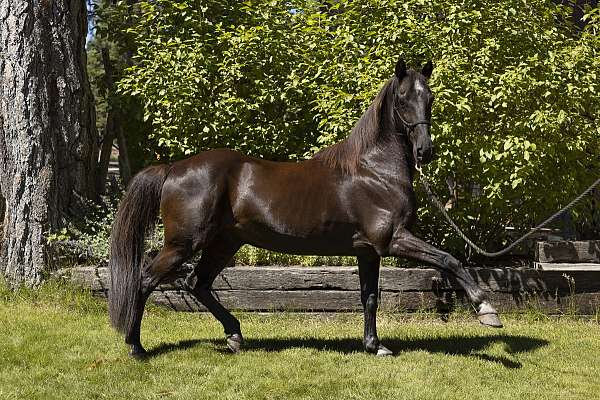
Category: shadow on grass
<point>169,347</point>
<point>453,345</point>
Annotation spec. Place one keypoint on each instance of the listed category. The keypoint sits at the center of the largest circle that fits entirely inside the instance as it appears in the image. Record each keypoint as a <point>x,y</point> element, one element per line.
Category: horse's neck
<point>391,159</point>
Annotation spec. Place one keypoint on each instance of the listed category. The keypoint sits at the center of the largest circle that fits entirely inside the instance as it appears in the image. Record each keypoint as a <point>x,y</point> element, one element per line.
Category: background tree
<point>119,116</point>
<point>48,141</point>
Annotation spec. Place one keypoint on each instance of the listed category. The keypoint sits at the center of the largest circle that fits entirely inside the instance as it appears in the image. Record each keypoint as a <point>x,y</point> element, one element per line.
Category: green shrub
<point>515,119</point>
<point>215,74</point>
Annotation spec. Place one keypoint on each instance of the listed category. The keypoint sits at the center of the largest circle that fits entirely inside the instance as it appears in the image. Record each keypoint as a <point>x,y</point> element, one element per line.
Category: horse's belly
<point>336,240</point>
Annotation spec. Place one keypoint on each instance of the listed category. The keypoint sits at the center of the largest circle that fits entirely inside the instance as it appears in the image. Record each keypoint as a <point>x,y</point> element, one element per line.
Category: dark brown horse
<point>354,198</point>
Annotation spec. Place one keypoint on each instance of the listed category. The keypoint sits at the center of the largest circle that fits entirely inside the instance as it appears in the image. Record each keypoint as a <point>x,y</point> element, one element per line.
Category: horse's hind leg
<point>214,258</point>
<point>406,244</point>
<point>168,259</point>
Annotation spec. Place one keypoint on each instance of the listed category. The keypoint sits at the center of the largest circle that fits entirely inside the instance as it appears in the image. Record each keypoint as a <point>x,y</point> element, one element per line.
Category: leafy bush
<point>215,74</point>
<point>86,241</point>
<point>515,119</point>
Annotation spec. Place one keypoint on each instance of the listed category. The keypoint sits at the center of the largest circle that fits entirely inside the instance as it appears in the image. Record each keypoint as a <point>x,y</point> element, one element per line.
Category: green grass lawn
<point>56,343</point>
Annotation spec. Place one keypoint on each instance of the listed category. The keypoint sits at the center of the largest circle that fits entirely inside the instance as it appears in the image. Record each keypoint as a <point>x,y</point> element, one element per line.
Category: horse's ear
<point>427,69</point>
<point>400,70</point>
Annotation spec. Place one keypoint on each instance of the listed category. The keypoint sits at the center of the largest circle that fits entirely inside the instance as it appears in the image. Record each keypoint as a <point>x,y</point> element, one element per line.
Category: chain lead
<point>439,205</point>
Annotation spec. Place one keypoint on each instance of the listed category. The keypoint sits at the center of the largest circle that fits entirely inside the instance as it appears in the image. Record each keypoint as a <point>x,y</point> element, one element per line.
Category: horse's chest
<point>383,214</point>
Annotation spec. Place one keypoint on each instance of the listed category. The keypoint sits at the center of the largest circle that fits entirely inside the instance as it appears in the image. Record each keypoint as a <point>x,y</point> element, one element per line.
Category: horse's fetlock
<point>371,344</point>
<point>371,302</point>
<point>190,281</point>
<point>146,286</point>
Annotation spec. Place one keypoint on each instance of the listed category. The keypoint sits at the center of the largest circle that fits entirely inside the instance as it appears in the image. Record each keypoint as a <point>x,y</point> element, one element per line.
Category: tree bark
<point>2,215</point>
<point>110,128</point>
<point>124,161</point>
<point>48,140</point>
<point>105,151</point>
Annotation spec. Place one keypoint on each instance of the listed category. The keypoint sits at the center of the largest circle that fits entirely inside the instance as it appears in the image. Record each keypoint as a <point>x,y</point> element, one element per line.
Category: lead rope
<point>439,205</point>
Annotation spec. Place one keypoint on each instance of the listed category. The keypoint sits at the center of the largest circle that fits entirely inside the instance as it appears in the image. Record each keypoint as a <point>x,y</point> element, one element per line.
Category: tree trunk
<point>110,128</point>
<point>124,162</point>
<point>105,151</point>
<point>48,141</point>
<point>2,214</point>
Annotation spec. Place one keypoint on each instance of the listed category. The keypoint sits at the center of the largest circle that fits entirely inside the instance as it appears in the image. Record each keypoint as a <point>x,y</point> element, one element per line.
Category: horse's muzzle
<point>424,154</point>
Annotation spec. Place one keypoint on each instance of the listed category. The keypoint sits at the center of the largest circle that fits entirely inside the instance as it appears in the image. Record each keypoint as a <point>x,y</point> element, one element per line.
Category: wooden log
<point>301,300</point>
<point>266,300</point>
<point>336,289</point>
<point>568,252</point>
<point>512,280</point>
<point>336,300</point>
<point>568,267</point>
<point>506,280</point>
<point>549,303</point>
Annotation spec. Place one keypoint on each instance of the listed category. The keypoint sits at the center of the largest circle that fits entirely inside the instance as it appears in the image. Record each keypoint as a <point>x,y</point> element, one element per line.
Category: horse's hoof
<point>138,353</point>
<point>490,320</point>
<point>234,342</point>
<point>383,351</point>
<point>488,316</point>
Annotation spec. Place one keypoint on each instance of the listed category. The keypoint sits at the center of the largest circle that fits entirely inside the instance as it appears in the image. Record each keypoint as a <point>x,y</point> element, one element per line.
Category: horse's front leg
<point>368,271</point>
<point>405,244</point>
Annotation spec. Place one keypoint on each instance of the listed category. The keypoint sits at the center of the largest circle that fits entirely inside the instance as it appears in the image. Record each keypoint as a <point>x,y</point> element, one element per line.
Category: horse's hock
<point>565,278</point>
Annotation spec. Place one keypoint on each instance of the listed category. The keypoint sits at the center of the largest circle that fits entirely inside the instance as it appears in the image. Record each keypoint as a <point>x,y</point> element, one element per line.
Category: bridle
<point>410,127</point>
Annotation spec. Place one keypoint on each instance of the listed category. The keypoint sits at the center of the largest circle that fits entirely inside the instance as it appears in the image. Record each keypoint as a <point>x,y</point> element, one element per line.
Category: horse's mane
<point>347,153</point>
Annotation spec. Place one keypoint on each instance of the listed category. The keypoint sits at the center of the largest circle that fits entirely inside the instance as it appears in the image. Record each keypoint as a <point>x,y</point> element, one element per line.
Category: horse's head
<point>412,109</point>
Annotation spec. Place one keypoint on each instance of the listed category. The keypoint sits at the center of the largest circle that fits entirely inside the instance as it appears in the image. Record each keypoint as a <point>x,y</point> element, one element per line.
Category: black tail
<point>136,217</point>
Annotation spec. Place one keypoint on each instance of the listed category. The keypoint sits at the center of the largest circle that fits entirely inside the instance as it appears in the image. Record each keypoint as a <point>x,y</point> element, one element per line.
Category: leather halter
<point>410,127</point>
